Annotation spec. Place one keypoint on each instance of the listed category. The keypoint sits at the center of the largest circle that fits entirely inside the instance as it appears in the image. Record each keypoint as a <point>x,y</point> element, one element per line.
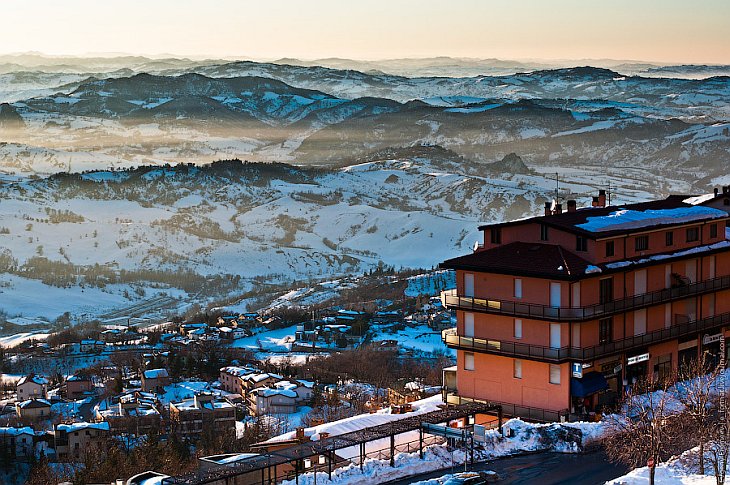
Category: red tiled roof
<point>520,258</point>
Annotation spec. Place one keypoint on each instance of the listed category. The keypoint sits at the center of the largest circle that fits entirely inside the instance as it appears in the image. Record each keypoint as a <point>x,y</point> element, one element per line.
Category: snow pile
<point>681,470</point>
<point>525,437</point>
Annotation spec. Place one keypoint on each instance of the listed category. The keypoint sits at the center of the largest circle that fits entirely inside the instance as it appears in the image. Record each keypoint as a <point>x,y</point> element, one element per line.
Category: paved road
<point>543,469</point>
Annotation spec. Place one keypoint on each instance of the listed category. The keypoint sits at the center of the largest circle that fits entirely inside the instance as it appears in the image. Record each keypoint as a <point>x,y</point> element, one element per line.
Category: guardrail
<point>563,354</point>
<point>545,312</point>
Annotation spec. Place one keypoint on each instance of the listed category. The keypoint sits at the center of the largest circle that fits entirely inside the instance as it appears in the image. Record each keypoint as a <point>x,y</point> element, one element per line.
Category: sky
<point>672,31</point>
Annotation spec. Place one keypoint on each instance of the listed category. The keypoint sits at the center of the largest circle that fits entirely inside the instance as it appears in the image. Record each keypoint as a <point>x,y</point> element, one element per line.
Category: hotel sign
<point>637,358</point>
<point>577,370</point>
<point>711,339</point>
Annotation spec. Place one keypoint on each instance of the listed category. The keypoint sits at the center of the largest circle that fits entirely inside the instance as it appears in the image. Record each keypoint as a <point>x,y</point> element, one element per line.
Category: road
<point>542,469</point>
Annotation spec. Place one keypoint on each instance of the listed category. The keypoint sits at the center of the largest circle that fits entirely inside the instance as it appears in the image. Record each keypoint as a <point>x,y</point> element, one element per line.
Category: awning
<point>590,383</point>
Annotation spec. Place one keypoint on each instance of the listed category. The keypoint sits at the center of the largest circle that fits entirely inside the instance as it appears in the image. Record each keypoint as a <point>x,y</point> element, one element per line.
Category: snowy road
<point>542,469</point>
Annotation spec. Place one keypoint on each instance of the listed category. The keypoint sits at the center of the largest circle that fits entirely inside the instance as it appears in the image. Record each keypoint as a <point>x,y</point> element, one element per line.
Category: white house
<point>31,386</point>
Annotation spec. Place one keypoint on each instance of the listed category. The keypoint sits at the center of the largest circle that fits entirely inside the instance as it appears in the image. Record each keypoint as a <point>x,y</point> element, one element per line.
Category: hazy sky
<point>657,30</point>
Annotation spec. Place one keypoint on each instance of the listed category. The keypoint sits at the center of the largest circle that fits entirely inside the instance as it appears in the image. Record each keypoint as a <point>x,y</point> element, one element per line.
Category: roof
<point>155,373</point>
<point>6,431</point>
<point>70,428</point>
<point>78,377</point>
<point>34,403</point>
<point>238,371</point>
<point>41,381</point>
<point>522,258</point>
<point>595,222</point>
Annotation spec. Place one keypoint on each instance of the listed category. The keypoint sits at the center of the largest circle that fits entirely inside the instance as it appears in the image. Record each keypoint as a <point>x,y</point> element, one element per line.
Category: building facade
<point>558,314</point>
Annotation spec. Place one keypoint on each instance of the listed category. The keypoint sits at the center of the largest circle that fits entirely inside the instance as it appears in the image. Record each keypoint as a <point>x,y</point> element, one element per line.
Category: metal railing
<point>515,410</point>
<point>546,312</point>
<point>563,354</point>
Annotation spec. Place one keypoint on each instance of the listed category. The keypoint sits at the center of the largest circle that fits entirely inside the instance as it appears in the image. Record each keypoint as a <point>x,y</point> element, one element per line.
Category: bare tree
<point>695,390</point>
<point>643,434</point>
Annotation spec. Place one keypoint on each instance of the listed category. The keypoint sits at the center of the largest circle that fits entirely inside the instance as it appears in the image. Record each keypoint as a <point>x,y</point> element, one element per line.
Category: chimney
<point>548,208</point>
<point>601,198</point>
<point>594,202</point>
<point>725,189</point>
<point>300,435</point>
<point>572,206</point>
<point>717,191</point>
<point>558,208</point>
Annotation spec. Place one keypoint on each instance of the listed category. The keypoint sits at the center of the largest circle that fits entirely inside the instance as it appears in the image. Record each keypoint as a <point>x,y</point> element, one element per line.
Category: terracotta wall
<point>493,379</point>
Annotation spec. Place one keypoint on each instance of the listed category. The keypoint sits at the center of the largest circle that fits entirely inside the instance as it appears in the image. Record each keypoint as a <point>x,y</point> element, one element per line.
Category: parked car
<point>471,478</point>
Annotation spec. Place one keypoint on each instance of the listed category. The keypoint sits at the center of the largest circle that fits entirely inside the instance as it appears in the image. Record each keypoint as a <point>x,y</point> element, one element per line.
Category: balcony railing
<point>545,312</point>
<point>515,410</point>
<point>563,354</point>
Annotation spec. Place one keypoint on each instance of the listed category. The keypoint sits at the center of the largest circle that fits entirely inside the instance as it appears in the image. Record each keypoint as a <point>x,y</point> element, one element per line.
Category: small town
<point>405,242</point>
<point>550,336</point>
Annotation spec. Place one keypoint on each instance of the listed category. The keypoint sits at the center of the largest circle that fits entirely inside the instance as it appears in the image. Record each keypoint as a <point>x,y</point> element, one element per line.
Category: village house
<point>282,397</point>
<point>33,409</point>
<point>19,441</point>
<point>73,440</point>
<point>557,315</point>
<point>31,386</point>
<point>129,416</point>
<point>260,379</point>
<point>79,387</point>
<point>87,346</point>
<point>155,380</point>
<point>204,412</point>
<point>232,378</point>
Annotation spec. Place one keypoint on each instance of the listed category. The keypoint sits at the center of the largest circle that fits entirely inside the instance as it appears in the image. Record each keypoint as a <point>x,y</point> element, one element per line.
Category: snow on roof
<point>305,383</point>
<point>268,392</point>
<point>147,478</point>
<point>632,219</point>
<point>40,380</point>
<point>70,428</point>
<point>6,431</point>
<point>33,403</point>
<point>229,458</point>
<point>155,373</point>
<point>78,377</point>
<point>360,421</point>
<point>699,199</point>
<point>238,371</point>
<point>660,257</point>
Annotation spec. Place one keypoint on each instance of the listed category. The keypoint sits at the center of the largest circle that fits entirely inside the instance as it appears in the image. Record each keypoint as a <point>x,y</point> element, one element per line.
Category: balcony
<point>565,354</point>
<point>561,314</point>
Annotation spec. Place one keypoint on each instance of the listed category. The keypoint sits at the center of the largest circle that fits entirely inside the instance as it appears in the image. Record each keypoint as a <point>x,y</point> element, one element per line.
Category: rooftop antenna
<point>609,192</point>
<point>557,188</point>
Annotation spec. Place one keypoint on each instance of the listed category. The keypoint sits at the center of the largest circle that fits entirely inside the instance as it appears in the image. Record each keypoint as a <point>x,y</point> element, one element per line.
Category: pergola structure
<point>263,466</point>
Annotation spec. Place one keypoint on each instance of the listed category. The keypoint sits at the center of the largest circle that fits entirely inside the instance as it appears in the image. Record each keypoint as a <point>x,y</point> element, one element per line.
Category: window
<point>496,234</point>
<point>543,232</point>
<point>554,374</point>
<point>468,361</point>
<point>726,201</point>
<point>663,367</point>
<point>669,238</point>
<point>713,230</point>
<point>581,243</point>
<point>605,330</point>
<point>609,249</point>
<point>693,234</point>
<point>518,287</point>
<point>518,328</point>
<point>641,243</point>
<point>605,291</point>
<point>518,369</point>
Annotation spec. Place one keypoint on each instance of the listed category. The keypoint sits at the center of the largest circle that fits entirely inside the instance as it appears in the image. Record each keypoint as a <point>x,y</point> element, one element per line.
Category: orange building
<point>557,314</point>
